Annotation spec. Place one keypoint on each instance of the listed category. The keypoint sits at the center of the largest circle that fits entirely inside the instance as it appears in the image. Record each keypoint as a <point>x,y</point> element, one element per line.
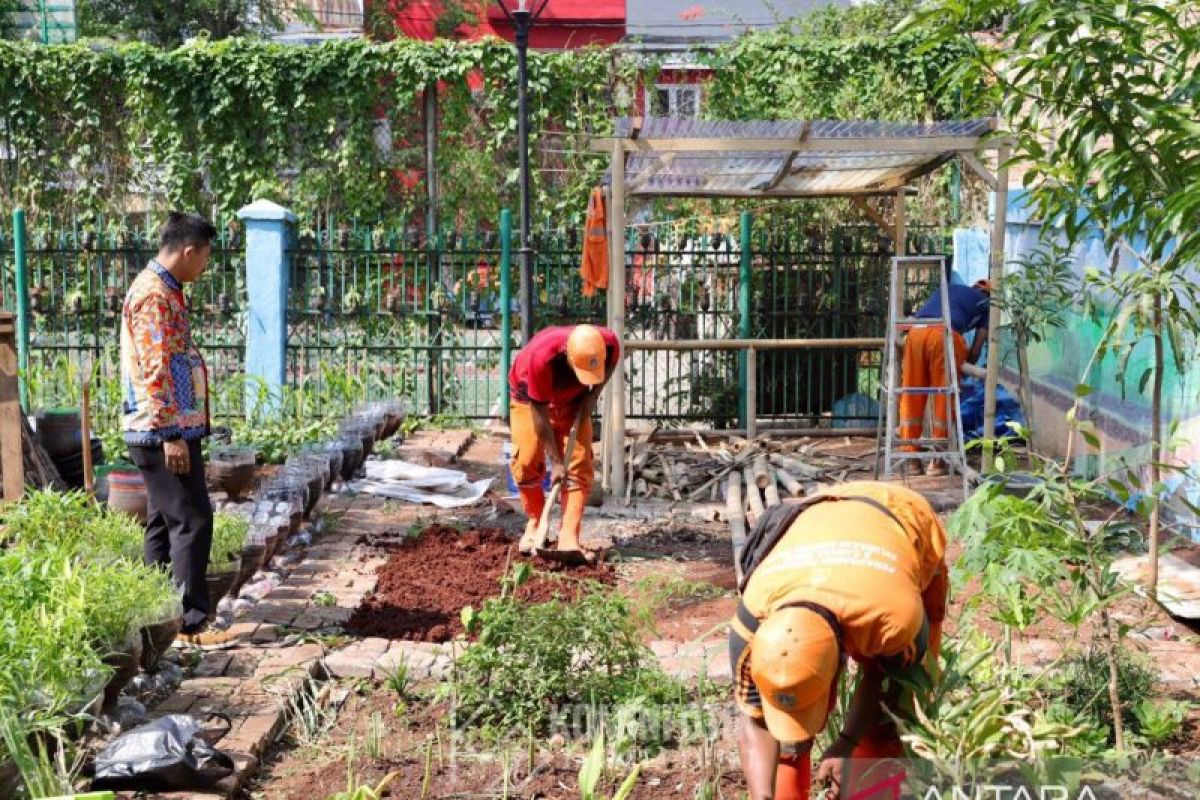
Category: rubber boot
<point>793,777</point>
<point>533,500</point>
<point>873,771</point>
<point>574,501</point>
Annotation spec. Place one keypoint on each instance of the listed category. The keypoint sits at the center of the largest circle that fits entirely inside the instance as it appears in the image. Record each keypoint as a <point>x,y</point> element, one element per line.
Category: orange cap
<point>794,663</point>
<point>587,354</point>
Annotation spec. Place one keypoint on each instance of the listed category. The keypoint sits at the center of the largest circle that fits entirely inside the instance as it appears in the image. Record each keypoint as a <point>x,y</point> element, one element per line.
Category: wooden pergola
<point>658,157</point>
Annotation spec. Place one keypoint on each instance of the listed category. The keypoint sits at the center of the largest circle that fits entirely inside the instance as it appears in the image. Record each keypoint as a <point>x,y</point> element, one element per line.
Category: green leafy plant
<point>982,712</point>
<point>1160,721</point>
<point>229,538</point>
<point>591,773</point>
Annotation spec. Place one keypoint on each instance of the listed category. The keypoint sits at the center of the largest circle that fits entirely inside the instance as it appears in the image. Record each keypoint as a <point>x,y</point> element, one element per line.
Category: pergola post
<point>996,276</point>
<point>614,430</point>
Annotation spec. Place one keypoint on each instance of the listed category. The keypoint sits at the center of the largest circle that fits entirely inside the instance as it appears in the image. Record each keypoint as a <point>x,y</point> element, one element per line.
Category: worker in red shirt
<point>557,371</point>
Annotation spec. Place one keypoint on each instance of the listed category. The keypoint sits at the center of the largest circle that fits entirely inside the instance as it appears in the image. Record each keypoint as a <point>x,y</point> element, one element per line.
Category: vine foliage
<point>337,129</point>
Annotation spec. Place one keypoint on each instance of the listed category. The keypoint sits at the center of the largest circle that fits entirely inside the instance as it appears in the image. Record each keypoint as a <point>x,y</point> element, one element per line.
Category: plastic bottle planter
<point>59,433</point>
<point>231,469</point>
<point>220,579</point>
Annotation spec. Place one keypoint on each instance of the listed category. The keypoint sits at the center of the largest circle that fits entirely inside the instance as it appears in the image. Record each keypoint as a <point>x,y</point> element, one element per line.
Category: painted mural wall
<point>1119,408</point>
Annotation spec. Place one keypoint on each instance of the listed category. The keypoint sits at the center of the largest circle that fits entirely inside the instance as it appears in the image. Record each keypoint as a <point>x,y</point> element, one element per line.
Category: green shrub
<point>533,661</point>
<point>1084,685</point>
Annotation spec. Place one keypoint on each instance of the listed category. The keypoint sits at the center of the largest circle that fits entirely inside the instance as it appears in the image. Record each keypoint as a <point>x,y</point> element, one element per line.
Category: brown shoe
<point>206,639</point>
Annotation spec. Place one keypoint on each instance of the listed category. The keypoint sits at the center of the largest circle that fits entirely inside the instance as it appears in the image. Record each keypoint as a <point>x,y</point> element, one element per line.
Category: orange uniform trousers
<point>925,367</point>
<point>529,463</point>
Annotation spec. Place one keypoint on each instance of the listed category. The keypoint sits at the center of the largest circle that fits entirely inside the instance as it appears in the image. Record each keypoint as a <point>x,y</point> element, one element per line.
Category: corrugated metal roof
<point>808,172</point>
<point>690,20</point>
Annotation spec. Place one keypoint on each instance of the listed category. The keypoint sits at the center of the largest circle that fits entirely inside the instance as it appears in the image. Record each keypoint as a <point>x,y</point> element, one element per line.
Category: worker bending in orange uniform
<point>925,362</point>
<point>857,571</point>
<point>556,376</point>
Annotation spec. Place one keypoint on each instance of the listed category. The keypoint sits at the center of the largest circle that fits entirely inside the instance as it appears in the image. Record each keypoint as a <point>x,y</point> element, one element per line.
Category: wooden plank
<point>866,343</point>
<point>872,214</point>
<point>931,145</point>
<point>979,169</point>
<point>12,450</point>
<point>614,428</point>
<point>995,275</point>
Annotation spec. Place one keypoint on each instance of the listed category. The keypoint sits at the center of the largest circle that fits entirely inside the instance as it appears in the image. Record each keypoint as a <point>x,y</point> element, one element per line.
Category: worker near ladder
<point>554,375</point>
<point>856,571</point>
<point>925,365</point>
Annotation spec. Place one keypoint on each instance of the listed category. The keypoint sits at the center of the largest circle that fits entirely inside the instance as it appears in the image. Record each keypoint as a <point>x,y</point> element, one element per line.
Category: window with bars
<point>680,100</point>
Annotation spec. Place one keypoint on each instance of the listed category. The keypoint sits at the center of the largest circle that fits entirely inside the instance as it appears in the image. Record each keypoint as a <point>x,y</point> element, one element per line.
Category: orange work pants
<point>925,368</point>
<point>529,465</point>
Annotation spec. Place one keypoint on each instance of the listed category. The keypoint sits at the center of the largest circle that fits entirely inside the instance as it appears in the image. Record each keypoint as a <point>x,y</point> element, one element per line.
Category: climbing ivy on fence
<point>337,129</point>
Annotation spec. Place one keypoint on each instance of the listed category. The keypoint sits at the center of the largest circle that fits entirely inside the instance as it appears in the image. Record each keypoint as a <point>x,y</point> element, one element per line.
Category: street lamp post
<point>522,19</point>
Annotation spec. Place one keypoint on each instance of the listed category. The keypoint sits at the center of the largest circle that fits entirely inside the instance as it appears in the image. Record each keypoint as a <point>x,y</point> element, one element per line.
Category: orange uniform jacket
<point>594,268</point>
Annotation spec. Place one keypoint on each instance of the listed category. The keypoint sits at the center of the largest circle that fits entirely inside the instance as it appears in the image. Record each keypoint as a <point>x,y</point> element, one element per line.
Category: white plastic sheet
<point>414,483</point>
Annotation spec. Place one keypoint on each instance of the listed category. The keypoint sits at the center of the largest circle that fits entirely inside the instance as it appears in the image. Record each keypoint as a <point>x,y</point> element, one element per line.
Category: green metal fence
<point>805,282</point>
<point>377,312</point>
<point>77,278</point>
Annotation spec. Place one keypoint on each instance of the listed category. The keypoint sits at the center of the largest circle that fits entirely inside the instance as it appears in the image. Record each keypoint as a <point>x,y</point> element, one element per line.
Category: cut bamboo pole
<point>737,519</point>
<point>760,470</point>
<point>85,436</point>
<point>797,467</point>
<point>771,493</point>
<point>753,498</point>
<point>667,470</point>
<point>793,486</point>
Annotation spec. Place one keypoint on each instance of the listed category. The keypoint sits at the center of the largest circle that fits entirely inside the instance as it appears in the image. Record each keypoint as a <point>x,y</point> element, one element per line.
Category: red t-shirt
<point>540,373</point>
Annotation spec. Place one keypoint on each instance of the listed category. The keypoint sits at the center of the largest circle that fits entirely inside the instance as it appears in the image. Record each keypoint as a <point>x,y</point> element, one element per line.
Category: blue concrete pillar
<point>268,233</point>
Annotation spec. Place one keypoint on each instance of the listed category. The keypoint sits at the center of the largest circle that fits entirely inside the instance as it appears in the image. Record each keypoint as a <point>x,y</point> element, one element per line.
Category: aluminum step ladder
<point>902,290</point>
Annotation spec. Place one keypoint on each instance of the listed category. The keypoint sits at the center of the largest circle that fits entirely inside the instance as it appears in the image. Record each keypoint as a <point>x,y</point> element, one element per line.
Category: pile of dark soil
<point>427,580</point>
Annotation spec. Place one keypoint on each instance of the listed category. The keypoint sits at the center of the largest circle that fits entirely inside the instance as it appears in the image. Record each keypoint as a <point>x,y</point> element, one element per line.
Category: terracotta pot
<point>58,431</point>
<point>127,492</point>
<point>219,583</point>
<point>156,639</point>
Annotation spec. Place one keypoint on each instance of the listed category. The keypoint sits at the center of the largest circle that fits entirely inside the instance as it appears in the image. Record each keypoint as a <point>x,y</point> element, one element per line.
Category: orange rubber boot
<point>793,777</point>
<point>574,501</point>
<point>533,500</point>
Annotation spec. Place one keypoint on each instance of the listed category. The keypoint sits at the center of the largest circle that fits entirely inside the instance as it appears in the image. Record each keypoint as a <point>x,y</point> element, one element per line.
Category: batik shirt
<point>163,378</point>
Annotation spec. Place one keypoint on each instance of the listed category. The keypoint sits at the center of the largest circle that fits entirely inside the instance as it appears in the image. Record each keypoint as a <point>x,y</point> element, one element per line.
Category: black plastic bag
<point>167,754</point>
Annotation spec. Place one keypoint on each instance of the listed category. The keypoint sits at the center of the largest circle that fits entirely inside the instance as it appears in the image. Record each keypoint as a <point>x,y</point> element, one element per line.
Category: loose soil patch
<point>428,579</point>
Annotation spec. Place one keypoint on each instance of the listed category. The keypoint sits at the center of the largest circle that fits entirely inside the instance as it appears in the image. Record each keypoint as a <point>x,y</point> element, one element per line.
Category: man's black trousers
<point>179,525</point>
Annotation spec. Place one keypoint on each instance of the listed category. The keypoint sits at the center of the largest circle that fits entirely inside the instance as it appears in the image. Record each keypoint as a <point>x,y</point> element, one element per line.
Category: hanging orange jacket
<point>594,268</point>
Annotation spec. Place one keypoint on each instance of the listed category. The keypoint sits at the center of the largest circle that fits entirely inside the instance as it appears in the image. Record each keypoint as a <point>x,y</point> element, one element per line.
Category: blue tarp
<point>971,399</point>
